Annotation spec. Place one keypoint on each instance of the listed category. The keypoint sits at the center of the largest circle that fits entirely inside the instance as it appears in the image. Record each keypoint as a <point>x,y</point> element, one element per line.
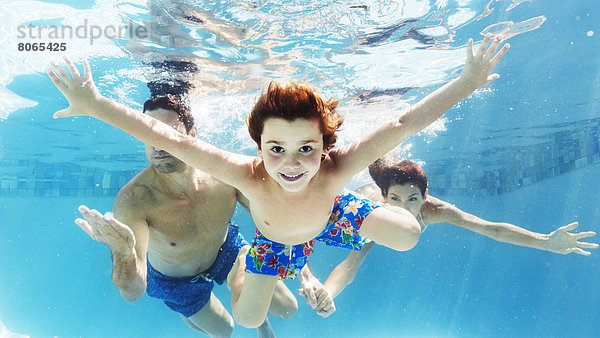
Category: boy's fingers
<point>500,55</point>
<point>492,50</point>
<point>72,68</point>
<point>56,80</point>
<point>483,46</point>
<point>492,77</point>
<point>87,72</point>
<point>61,113</point>
<point>60,71</point>
<point>469,50</point>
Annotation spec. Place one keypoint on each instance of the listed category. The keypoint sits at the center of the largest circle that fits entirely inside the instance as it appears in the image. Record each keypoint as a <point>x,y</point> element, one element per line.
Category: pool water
<point>523,150</point>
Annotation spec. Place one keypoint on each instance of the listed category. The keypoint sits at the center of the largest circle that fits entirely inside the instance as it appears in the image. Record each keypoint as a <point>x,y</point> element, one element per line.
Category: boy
<point>292,189</point>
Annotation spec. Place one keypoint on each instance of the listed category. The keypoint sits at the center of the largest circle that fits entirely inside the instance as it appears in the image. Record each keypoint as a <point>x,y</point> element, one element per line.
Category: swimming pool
<point>523,150</point>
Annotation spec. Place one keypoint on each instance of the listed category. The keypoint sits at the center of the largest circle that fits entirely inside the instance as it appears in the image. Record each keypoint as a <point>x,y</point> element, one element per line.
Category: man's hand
<point>317,296</point>
<point>106,229</point>
<point>476,72</point>
<point>81,92</point>
<point>563,242</point>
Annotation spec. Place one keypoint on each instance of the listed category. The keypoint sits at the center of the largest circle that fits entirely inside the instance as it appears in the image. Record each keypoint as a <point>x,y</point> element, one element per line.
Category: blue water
<point>523,150</point>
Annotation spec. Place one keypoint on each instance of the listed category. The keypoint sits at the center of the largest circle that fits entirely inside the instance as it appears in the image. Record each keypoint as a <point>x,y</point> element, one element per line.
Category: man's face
<point>158,158</point>
<point>291,151</point>
<point>407,196</point>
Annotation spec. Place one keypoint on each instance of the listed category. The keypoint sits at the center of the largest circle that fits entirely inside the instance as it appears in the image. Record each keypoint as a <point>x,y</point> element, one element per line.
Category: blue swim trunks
<point>276,259</point>
<point>187,295</point>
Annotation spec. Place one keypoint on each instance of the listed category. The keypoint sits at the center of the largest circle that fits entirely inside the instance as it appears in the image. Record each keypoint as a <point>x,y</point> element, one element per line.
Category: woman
<point>403,183</point>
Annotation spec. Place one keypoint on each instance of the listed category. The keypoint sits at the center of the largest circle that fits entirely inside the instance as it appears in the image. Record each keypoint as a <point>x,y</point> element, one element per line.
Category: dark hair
<point>174,103</point>
<point>295,101</point>
<point>171,77</point>
<point>389,171</point>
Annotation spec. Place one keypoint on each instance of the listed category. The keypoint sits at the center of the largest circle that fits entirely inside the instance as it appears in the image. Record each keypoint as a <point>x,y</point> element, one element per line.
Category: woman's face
<point>407,196</point>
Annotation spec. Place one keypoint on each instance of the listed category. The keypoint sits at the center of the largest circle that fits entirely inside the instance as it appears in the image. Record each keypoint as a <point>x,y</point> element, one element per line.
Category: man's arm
<point>558,241</point>
<point>476,73</point>
<point>242,200</point>
<point>85,99</point>
<point>130,266</point>
<point>128,245</point>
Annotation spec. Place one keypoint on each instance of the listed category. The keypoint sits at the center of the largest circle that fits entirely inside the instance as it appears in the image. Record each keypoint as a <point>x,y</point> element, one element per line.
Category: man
<point>171,237</point>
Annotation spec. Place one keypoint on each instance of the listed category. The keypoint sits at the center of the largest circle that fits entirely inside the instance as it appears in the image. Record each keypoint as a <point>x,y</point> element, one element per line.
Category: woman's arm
<point>558,241</point>
<point>343,274</point>
<point>320,296</point>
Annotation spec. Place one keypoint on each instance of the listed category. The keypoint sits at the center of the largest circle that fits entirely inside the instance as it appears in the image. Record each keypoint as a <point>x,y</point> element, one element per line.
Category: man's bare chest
<point>185,218</point>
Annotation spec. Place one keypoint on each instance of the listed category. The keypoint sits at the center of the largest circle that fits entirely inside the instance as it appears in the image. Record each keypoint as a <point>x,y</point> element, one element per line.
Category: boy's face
<point>291,151</point>
<point>407,196</point>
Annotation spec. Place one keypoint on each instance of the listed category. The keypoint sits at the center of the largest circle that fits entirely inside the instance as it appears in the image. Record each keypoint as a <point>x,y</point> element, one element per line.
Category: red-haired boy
<point>294,185</point>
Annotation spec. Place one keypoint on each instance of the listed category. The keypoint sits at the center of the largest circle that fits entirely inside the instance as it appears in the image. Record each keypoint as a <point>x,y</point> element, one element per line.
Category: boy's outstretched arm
<point>85,99</point>
<point>476,73</point>
<point>558,241</point>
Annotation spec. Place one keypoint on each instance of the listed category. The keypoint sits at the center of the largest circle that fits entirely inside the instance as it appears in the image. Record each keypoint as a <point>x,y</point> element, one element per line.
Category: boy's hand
<point>563,242</point>
<point>476,72</point>
<point>81,92</point>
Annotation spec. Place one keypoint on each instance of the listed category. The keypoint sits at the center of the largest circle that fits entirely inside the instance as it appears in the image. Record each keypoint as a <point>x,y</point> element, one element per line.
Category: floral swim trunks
<point>271,258</point>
